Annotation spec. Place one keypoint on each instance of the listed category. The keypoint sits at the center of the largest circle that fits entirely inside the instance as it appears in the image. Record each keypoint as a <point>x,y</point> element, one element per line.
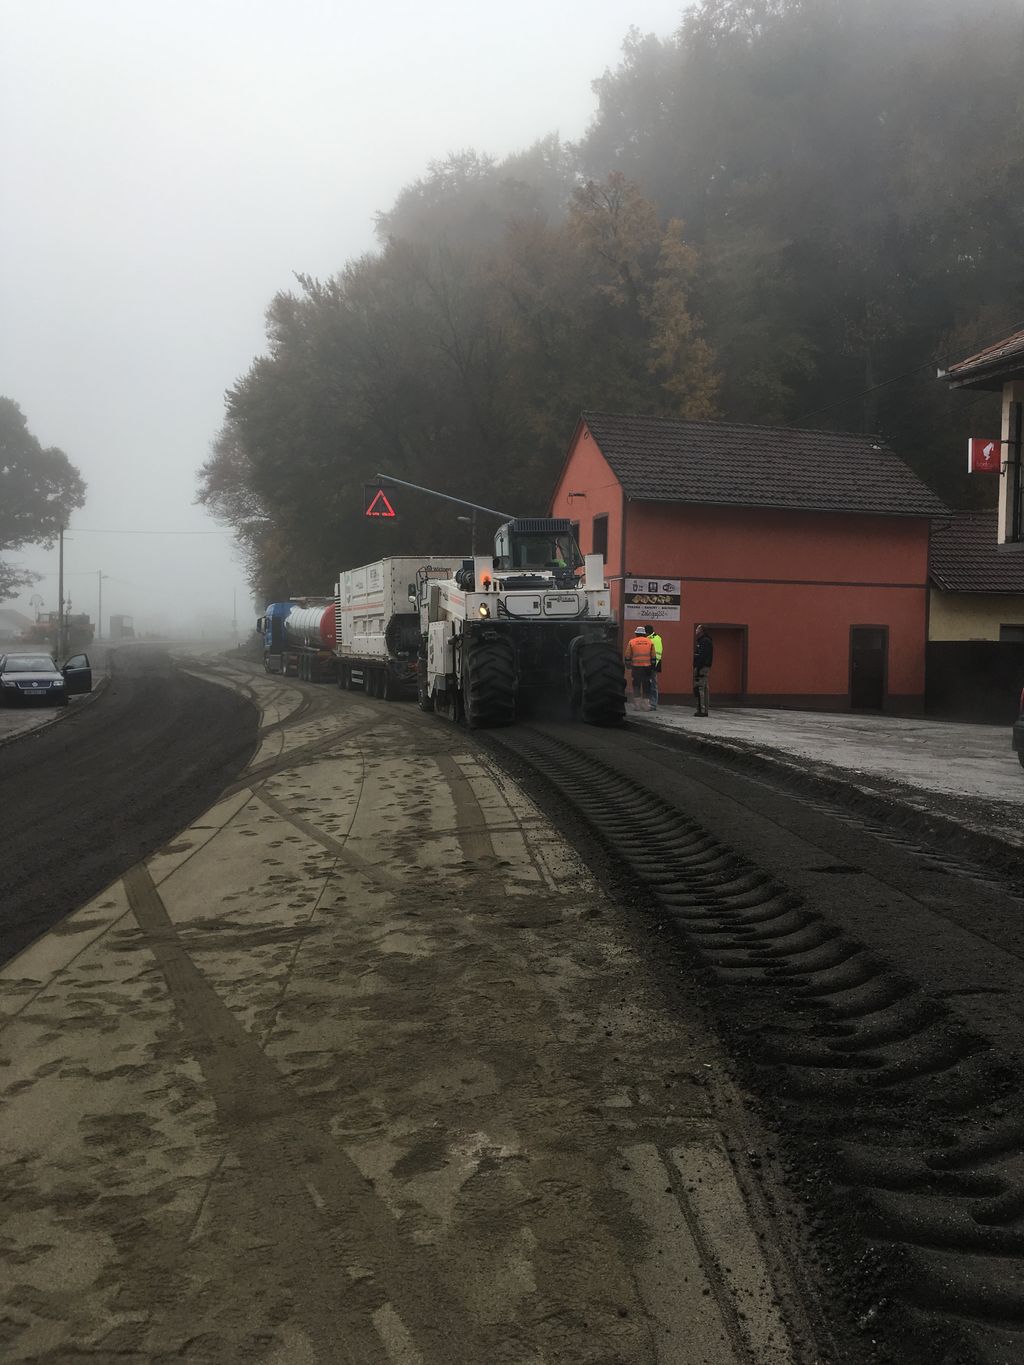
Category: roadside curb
<point>883,802</point>
<point>63,713</point>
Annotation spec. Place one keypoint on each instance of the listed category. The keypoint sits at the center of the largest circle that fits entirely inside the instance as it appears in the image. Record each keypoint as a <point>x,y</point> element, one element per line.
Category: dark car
<point>1018,731</point>
<point>35,680</point>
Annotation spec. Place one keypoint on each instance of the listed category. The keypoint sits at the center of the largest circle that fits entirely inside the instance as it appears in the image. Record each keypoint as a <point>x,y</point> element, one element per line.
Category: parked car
<point>1018,731</point>
<point>35,680</point>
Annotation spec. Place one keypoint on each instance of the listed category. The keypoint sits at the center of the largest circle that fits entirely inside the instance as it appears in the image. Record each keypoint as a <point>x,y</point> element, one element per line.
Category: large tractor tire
<point>601,685</point>
<point>489,682</point>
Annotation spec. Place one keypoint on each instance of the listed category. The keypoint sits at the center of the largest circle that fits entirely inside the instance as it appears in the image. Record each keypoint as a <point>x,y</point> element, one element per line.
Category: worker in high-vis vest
<point>655,639</point>
<point>640,662</point>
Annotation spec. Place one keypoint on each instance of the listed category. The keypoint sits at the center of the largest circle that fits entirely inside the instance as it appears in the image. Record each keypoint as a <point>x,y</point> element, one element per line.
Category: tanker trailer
<point>310,641</point>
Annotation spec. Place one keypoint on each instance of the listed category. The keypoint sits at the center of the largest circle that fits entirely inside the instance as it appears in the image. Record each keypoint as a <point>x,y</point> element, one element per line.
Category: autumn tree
<point>457,358</point>
<point>853,192</point>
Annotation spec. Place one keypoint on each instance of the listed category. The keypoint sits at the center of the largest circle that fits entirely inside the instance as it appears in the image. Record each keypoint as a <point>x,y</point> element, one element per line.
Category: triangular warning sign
<point>378,504</point>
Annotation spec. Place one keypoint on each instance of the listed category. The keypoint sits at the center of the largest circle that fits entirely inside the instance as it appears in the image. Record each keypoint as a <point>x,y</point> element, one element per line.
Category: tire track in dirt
<point>284,1159</point>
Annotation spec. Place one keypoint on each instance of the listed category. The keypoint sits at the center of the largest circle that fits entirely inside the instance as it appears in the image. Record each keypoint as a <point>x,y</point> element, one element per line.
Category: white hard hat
<point>640,630</point>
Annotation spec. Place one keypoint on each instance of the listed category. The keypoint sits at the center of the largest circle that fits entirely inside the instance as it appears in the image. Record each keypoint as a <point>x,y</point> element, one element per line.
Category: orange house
<point>803,553</point>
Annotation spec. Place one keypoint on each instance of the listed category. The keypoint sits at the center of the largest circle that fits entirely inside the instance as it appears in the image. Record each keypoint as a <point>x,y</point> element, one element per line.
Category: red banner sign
<point>984,456</point>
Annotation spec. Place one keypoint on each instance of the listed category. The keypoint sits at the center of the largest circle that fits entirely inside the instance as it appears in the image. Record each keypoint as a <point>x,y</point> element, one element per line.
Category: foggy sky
<point>167,168</point>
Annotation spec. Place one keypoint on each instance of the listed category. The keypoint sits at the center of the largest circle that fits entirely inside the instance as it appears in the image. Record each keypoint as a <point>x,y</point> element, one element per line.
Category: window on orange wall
<point>601,536</point>
<point>574,526</point>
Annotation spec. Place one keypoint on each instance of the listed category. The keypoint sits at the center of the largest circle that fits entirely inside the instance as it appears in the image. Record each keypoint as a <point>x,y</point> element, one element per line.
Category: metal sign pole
<point>447,497</point>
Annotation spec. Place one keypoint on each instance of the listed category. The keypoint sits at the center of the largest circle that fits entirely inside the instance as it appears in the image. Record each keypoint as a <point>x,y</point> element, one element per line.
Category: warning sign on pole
<point>378,501</point>
<point>651,599</point>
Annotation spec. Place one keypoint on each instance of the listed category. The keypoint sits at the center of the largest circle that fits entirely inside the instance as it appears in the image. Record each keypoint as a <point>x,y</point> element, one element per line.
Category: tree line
<point>789,212</point>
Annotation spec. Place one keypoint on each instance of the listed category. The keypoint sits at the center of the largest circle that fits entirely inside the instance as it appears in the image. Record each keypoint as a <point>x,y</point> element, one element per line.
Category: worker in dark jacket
<point>703,654</point>
<point>640,661</point>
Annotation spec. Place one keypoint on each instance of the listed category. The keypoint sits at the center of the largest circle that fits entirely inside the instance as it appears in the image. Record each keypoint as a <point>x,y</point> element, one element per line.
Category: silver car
<point>35,680</point>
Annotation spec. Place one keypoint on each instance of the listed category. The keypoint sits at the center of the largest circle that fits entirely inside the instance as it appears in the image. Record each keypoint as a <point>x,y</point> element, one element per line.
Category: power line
<point>131,531</point>
<point>927,365</point>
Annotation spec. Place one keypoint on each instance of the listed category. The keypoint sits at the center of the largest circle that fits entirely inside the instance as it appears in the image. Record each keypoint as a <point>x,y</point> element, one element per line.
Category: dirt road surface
<point>364,1067</point>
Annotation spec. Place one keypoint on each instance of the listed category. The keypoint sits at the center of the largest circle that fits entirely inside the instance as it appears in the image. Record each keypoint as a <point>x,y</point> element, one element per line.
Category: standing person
<point>655,639</point>
<point>703,654</point>
<point>640,661</point>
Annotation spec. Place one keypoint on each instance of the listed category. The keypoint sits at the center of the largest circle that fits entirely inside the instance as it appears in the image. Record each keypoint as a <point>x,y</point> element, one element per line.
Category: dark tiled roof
<point>966,558</point>
<point>664,460</point>
<point>988,368</point>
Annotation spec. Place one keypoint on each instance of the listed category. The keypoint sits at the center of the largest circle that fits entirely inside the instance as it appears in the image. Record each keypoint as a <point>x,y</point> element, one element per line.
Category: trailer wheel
<point>489,682</point>
<point>602,683</point>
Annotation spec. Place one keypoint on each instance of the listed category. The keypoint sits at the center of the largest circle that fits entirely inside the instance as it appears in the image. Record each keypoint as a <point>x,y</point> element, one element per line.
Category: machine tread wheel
<point>602,683</point>
<point>489,682</point>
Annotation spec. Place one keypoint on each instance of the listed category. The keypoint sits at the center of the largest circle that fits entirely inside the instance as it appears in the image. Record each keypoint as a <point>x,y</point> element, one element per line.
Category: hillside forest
<point>789,212</point>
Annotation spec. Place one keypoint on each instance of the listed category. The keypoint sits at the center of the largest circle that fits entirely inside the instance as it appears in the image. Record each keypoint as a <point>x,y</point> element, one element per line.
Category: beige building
<point>976,589</point>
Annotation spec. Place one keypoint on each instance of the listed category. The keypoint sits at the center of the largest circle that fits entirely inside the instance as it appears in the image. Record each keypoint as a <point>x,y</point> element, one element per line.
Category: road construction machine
<point>529,630</point>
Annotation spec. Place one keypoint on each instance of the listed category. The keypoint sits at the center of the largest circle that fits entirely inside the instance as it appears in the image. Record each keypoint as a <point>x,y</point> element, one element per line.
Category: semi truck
<point>529,628</point>
<point>300,638</point>
<point>379,624</point>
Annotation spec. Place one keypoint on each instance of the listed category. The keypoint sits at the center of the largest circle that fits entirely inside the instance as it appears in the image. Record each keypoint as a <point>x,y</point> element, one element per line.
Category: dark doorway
<point>869,646</point>
<point>729,670</point>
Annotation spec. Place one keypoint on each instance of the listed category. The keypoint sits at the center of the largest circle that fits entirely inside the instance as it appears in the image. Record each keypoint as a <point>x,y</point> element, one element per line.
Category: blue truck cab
<point>271,627</point>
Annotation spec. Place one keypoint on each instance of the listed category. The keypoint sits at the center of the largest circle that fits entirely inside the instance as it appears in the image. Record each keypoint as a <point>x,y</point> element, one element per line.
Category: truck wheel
<point>387,690</point>
<point>489,682</point>
<point>602,683</point>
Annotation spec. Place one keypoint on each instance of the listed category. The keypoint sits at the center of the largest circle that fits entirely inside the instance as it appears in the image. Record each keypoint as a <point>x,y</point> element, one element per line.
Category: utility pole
<point>100,576</point>
<point>60,598</point>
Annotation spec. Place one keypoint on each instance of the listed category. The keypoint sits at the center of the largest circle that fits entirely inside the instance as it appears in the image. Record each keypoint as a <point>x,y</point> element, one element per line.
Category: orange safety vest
<point>639,652</point>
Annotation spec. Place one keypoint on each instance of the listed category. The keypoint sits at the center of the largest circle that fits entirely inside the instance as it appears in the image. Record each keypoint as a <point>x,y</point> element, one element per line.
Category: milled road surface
<point>84,798</point>
<point>871,988</point>
<point>365,1067</point>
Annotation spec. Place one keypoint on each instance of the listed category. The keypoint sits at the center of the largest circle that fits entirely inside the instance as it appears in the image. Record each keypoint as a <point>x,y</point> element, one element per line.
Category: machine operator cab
<point>538,545</point>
